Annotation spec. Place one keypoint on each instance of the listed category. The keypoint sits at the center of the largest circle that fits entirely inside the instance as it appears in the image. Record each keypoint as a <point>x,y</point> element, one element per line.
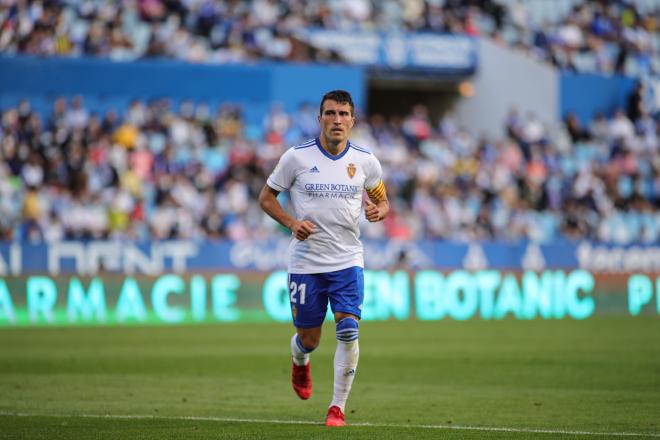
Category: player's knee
<point>307,343</point>
<point>347,330</point>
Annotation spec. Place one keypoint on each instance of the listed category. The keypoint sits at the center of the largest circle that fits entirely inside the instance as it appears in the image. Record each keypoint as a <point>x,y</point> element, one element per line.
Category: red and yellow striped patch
<point>377,193</point>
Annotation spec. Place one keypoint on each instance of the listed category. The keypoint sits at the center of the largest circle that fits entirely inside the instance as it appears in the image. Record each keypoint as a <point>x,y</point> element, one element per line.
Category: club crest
<point>351,170</point>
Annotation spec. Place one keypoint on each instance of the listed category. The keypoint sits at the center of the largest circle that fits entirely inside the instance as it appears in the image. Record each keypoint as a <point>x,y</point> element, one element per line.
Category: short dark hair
<point>340,96</point>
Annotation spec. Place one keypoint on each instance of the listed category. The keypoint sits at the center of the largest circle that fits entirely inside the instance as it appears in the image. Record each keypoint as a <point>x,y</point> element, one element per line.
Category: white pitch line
<point>306,422</point>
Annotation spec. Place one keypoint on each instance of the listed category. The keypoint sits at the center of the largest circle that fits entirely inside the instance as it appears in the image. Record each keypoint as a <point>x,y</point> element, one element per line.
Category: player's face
<point>336,121</point>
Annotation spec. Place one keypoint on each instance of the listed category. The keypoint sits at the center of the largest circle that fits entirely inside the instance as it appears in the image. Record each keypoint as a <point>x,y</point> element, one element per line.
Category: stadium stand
<point>591,36</point>
<point>134,169</point>
<point>153,171</point>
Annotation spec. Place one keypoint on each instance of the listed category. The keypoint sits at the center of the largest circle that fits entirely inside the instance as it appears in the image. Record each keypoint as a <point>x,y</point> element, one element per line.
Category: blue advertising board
<point>154,258</point>
<point>455,54</point>
<point>586,94</point>
<point>178,282</point>
<point>106,84</point>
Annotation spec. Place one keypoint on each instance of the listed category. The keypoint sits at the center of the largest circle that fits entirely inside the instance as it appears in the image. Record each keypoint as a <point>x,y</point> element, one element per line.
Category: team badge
<point>351,170</point>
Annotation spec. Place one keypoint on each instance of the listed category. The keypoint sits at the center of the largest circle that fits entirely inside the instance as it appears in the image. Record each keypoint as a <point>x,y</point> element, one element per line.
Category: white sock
<point>346,360</point>
<point>299,356</point>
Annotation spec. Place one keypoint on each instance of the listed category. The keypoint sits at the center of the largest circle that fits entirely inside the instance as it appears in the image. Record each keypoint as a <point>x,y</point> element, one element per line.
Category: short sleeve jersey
<point>326,190</point>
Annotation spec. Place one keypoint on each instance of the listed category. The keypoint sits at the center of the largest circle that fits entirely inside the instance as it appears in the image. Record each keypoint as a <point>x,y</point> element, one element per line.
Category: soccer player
<point>326,178</point>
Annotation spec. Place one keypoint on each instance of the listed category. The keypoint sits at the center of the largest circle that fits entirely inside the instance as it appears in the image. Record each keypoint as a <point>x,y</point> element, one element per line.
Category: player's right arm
<point>271,206</point>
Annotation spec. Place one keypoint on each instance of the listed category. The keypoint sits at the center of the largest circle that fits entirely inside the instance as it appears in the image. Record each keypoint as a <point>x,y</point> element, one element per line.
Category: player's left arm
<point>377,206</point>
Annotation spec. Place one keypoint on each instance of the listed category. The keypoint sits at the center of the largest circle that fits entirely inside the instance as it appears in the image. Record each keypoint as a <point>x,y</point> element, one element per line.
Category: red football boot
<point>335,417</point>
<point>301,379</point>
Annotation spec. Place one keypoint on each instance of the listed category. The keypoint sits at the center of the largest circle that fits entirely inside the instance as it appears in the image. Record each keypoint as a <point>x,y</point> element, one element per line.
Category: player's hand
<point>302,229</point>
<point>371,211</point>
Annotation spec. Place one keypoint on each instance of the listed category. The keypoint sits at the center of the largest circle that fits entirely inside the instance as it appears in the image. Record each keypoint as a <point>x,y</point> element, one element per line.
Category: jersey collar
<point>330,156</point>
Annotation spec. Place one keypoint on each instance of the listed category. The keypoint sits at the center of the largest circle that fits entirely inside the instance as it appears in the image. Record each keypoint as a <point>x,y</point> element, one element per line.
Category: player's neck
<point>333,148</point>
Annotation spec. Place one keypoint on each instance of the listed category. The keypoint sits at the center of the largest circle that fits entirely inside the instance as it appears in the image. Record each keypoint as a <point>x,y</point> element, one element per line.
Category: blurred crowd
<point>597,35</point>
<point>160,171</point>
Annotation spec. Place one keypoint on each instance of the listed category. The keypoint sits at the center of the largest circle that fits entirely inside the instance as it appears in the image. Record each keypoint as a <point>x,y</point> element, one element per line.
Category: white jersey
<point>327,191</point>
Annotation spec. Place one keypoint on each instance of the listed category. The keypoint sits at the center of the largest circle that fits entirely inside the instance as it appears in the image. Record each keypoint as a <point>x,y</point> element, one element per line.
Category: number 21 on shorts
<point>297,289</point>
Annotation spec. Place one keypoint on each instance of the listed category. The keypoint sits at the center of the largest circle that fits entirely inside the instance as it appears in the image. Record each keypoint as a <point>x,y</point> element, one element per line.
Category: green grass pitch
<point>598,378</point>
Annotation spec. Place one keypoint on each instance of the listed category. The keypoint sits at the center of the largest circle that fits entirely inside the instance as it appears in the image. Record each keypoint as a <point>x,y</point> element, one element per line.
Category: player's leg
<point>308,308</point>
<point>346,359</point>
<point>346,295</point>
<point>303,342</point>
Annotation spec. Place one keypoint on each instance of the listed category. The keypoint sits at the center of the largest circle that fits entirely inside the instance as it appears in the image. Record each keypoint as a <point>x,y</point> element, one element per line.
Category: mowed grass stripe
<point>599,376</point>
<point>365,424</point>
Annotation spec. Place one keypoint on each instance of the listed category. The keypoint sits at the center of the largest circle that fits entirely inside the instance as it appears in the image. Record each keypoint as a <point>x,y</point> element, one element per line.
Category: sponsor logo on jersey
<point>351,170</point>
<point>314,170</point>
<point>339,187</point>
<point>333,191</point>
